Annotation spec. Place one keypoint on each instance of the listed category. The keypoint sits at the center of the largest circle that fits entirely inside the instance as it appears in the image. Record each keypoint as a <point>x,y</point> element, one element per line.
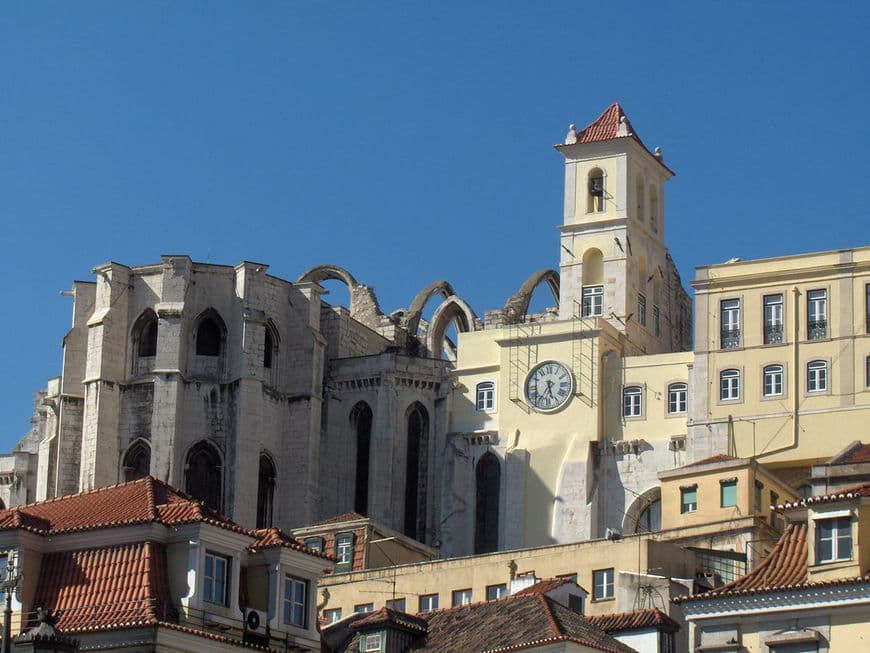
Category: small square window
<point>314,543</point>
<point>364,608</point>
<point>461,597</point>
<point>396,604</point>
<point>592,304</point>
<point>602,584</point>
<point>331,616</point>
<point>689,499</point>
<point>494,592</point>
<point>728,493</point>
<point>428,602</point>
<point>373,642</point>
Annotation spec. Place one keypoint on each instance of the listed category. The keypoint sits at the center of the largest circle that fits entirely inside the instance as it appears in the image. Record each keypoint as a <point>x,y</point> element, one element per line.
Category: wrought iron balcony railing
<point>817,329</point>
<point>730,338</point>
<point>772,334</point>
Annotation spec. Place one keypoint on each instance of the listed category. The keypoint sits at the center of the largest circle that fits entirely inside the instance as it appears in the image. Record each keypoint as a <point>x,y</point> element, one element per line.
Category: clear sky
<point>407,142</point>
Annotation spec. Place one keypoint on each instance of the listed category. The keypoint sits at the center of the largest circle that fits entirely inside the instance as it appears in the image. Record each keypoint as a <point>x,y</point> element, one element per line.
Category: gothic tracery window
<point>204,471</point>
<point>265,492</point>
<point>416,472</point>
<point>137,461</point>
<point>488,481</point>
<point>361,422</point>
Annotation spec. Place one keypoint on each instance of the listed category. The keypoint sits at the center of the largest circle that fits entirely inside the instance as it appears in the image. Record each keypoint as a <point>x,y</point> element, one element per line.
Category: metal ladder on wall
<point>584,355</point>
<point>522,357</point>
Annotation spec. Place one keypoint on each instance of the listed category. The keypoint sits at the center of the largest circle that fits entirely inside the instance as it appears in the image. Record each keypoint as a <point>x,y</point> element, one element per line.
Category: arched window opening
<point>677,398</point>
<point>729,385</point>
<point>361,422</point>
<point>265,492</point>
<point>592,304</point>
<point>208,338</point>
<point>650,518</point>
<point>268,347</point>
<point>653,209</point>
<point>144,342</point>
<point>773,380</point>
<point>416,473</point>
<point>632,401</point>
<point>137,462</point>
<point>203,475</point>
<point>488,483</point>
<point>485,397</point>
<point>817,376</point>
<point>596,193</point>
<point>640,198</point>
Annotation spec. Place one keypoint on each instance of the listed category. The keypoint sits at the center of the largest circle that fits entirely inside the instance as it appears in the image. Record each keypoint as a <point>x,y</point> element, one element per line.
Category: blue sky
<point>408,142</point>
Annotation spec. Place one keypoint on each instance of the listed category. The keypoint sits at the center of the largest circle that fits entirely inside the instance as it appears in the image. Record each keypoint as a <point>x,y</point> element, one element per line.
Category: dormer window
<point>833,539</point>
<point>296,601</point>
<point>372,642</point>
<point>344,552</point>
<point>595,201</point>
<point>216,574</point>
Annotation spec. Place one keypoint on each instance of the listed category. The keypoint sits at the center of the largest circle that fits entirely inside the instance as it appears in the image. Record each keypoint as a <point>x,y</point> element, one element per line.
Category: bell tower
<point>613,260</point>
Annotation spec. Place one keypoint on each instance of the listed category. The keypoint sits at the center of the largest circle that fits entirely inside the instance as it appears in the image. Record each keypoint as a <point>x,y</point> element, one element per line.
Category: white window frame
<point>344,548</point>
<point>215,589</point>
<point>731,391</point>
<point>773,306</point>
<point>632,401</point>
<point>499,590</point>
<point>841,531</point>
<point>463,596</point>
<point>484,397</point>
<point>332,616</point>
<point>373,642</point>
<point>291,602</point>
<point>678,398</point>
<point>729,322</point>
<point>428,602</point>
<point>817,376</point>
<point>817,311</point>
<point>773,380</point>
<point>592,301</point>
<point>603,584</point>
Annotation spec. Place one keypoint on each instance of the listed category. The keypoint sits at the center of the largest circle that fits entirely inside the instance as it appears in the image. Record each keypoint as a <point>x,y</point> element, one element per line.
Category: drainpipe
<point>796,374</point>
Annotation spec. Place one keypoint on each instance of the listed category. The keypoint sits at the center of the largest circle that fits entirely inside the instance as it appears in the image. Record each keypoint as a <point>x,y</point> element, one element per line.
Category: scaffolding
<point>584,345</point>
<point>522,357</point>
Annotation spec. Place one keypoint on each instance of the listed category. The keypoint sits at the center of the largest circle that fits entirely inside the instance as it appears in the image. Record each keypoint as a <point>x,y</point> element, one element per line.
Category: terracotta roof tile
<point>543,586</point>
<point>347,516</point>
<point>620,621</point>
<point>105,587</point>
<point>860,454</point>
<point>509,624</point>
<point>719,458</point>
<point>854,492</point>
<point>386,615</point>
<point>146,500</point>
<point>267,538</point>
<point>606,126</point>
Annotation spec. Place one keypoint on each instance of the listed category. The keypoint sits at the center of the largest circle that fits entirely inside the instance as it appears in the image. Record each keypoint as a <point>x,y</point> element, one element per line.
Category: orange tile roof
<point>113,586</point>
<point>347,516</point>
<point>606,126</point>
<point>784,569</point>
<point>543,586</point>
<point>860,454</point>
<point>146,500</point>
<point>854,492</point>
<point>620,621</point>
<point>512,623</point>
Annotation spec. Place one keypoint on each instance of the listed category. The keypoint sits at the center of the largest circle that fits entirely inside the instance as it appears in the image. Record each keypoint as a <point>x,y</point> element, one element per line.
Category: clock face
<point>549,386</point>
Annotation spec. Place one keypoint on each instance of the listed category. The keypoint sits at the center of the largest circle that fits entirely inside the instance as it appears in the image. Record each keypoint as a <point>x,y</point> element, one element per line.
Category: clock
<point>549,386</point>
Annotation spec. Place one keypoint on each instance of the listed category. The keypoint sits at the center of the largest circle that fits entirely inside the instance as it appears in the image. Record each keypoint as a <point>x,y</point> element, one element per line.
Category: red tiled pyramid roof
<point>620,621</point>
<point>509,624</point>
<point>606,126</point>
<point>106,587</point>
<point>337,519</point>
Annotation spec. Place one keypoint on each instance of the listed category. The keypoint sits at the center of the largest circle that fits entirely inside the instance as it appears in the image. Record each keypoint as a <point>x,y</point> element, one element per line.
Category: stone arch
<point>364,306</point>
<point>453,310</point>
<point>416,311</point>
<point>328,271</point>
<point>517,306</point>
<point>210,334</point>
<point>203,474</point>
<point>137,461</point>
<point>267,475</point>
<point>271,344</point>
<point>641,516</point>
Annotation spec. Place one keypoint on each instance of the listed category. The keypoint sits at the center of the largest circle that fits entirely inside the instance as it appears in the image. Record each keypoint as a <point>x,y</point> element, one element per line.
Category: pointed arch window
<point>416,472</point>
<point>361,423</point>
<point>208,338</point>
<point>488,486</point>
<point>640,200</point>
<point>203,477</point>
<point>137,461</point>
<point>265,491</point>
<point>144,342</point>
<point>653,209</point>
<point>268,347</point>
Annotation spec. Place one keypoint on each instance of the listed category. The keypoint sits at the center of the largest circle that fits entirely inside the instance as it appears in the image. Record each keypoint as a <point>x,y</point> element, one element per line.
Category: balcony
<point>772,334</point>
<point>817,329</point>
<point>730,338</point>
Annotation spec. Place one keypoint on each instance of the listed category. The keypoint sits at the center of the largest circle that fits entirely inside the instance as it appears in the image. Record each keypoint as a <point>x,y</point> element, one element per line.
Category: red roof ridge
<point>543,585</point>
<point>854,492</point>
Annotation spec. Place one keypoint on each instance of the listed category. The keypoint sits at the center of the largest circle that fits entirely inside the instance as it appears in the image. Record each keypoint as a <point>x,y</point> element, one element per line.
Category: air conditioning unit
<point>254,620</point>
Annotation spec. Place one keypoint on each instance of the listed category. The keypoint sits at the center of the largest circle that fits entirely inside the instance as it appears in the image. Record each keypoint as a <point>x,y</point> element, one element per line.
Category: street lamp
<point>9,578</point>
